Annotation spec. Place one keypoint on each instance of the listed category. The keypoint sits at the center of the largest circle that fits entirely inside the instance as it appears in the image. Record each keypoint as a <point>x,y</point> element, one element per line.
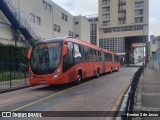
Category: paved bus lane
<point>99,94</point>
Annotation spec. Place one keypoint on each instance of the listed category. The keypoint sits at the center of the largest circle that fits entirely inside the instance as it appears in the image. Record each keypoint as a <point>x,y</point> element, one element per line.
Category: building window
<point>106,16</point>
<point>106,9</point>
<point>122,0</point>
<point>34,19</point>
<point>70,33</point>
<point>123,28</point>
<point>118,45</point>
<point>139,12</point>
<point>64,17</point>
<point>55,27</point>
<point>122,7</point>
<point>122,15</point>
<point>139,4</point>
<point>122,22</point>
<point>153,41</point>
<point>107,44</point>
<point>58,29</point>
<point>47,6</point>
<point>106,23</point>
<point>38,20</point>
<point>76,35</point>
<point>139,20</point>
<point>105,2</point>
<point>76,23</point>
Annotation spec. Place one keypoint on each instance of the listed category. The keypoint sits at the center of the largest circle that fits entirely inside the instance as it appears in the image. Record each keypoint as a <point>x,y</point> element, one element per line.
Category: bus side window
<point>116,59</point>
<point>68,61</point>
<point>82,53</point>
<point>86,53</point>
<point>70,53</point>
<point>107,57</point>
<point>97,57</point>
<point>90,55</point>
<point>110,57</point>
<point>95,51</point>
<point>77,54</point>
<point>93,55</point>
<point>99,52</point>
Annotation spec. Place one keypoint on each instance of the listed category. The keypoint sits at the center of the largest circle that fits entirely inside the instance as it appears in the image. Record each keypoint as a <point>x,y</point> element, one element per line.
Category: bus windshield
<point>45,57</point>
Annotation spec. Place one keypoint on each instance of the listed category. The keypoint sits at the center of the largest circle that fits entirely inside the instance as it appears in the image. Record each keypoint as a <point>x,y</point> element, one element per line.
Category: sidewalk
<point>148,92</point>
<point>13,84</point>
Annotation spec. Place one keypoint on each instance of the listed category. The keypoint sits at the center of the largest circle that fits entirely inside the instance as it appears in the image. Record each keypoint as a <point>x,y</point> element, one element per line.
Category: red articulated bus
<point>64,60</point>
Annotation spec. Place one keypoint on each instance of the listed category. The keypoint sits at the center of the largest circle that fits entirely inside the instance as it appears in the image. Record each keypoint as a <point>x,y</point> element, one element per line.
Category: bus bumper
<point>47,80</point>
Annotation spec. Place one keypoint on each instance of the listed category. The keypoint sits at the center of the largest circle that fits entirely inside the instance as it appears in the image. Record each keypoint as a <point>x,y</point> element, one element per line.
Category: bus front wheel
<point>79,78</point>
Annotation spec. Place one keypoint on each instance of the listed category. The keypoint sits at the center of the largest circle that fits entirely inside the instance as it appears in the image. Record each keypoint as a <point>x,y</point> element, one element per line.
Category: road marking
<point>32,103</point>
<point>119,100</point>
<point>45,98</point>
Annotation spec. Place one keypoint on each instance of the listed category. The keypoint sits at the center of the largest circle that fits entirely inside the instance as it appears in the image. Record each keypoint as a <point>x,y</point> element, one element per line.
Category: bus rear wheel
<point>111,70</point>
<point>98,73</point>
<point>118,68</point>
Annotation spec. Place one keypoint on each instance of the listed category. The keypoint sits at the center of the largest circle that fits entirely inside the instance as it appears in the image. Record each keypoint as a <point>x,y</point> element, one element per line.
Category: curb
<point>14,89</point>
<point>116,106</point>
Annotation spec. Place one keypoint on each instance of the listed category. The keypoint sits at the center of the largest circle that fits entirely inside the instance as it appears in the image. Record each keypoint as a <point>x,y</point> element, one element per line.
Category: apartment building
<point>94,28</point>
<point>44,18</point>
<point>123,26</point>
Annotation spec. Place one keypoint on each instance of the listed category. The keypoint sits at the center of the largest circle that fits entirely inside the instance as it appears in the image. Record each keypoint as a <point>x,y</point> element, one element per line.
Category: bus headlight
<point>30,75</point>
<point>57,73</point>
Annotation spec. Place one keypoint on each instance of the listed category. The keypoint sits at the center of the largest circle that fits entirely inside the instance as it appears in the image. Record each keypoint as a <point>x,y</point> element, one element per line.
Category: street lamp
<point>143,50</point>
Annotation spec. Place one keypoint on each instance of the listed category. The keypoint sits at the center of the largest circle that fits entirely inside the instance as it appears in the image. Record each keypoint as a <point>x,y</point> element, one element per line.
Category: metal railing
<point>131,95</point>
<point>13,75</point>
<point>22,21</point>
<point>155,61</point>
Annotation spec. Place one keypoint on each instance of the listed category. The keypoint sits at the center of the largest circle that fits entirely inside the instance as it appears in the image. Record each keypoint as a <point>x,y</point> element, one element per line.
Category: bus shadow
<point>69,85</point>
<point>55,87</point>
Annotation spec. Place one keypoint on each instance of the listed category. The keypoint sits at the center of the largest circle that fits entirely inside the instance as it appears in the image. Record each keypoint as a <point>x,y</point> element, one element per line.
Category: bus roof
<point>76,40</point>
<point>108,51</point>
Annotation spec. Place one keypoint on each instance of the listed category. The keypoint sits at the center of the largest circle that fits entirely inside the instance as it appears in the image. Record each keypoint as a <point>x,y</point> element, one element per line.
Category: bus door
<point>86,63</point>
<point>79,59</point>
<point>68,64</point>
<point>103,62</point>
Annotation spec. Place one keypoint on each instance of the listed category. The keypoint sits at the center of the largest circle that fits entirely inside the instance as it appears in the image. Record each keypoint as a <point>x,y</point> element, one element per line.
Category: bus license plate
<point>42,81</point>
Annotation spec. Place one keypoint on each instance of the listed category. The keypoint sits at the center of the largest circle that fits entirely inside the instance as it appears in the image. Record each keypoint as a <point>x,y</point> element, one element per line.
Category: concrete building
<point>44,18</point>
<point>123,26</point>
<point>94,29</point>
<point>82,28</point>
<point>154,44</point>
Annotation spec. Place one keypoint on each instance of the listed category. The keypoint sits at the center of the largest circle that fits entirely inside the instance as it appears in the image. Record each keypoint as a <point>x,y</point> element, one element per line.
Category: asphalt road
<point>96,94</point>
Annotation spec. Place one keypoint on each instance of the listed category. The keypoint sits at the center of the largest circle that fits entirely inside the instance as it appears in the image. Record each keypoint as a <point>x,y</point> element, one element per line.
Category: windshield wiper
<point>39,61</point>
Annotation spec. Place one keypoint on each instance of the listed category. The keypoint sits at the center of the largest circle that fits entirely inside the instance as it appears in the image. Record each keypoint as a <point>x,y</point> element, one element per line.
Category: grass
<point>11,75</point>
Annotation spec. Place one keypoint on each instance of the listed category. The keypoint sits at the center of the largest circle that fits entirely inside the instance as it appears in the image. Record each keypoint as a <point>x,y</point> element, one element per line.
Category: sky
<point>89,7</point>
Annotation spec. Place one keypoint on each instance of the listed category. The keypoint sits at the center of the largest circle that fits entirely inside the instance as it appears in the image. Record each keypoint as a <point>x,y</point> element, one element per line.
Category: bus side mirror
<point>29,53</point>
<point>65,50</point>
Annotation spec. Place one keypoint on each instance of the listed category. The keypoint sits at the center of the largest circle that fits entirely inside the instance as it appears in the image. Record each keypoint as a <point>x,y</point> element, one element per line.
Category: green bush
<point>11,56</point>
